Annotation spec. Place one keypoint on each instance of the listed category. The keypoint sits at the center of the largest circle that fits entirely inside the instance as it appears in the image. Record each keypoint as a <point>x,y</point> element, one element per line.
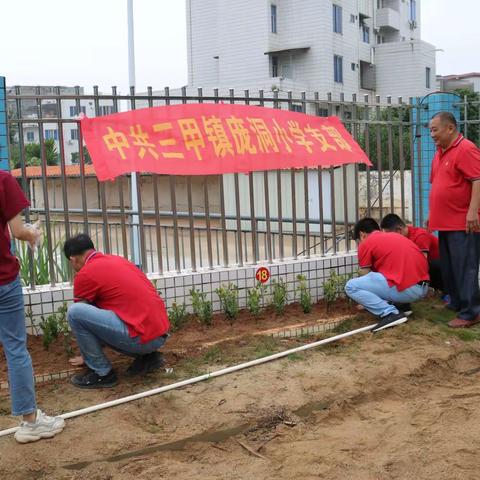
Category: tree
<point>472,113</point>
<point>390,118</point>
<point>86,157</point>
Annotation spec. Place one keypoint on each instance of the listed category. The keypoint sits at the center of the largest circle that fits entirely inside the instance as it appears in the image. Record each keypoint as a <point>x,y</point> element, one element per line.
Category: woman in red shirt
<point>36,424</point>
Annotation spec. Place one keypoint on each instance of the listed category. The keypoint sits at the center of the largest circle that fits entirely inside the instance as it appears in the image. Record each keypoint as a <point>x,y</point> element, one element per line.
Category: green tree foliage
<point>391,126</point>
<point>471,114</point>
<point>33,155</point>
<point>86,157</point>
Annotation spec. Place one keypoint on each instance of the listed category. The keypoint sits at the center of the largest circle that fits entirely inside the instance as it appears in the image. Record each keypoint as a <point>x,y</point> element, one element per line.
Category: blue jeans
<point>372,291</point>
<point>94,327</point>
<point>13,337</point>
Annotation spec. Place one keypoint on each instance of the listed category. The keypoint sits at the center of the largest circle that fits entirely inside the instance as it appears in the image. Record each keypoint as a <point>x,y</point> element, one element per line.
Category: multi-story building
<point>342,46</point>
<point>467,81</point>
<point>69,109</point>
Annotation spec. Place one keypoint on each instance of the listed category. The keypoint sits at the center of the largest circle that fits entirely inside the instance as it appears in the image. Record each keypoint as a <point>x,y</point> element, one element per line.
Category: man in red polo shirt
<point>454,212</point>
<point>393,271</point>
<point>115,305</point>
<point>423,239</point>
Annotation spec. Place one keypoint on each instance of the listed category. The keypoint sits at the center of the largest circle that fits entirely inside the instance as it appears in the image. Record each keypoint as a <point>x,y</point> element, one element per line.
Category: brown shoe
<point>461,323</point>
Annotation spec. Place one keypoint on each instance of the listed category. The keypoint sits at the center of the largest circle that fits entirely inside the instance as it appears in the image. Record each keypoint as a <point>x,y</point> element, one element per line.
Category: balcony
<point>388,18</point>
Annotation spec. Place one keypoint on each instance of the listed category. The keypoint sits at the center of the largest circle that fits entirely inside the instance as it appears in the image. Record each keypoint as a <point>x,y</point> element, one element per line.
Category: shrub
<point>177,315</point>
<point>279,296</point>
<point>334,287</point>
<point>305,297</point>
<point>55,325</point>
<point>201,307</point>
<point>228,296</point>
<point>255,298</point>
<point>49,327</point>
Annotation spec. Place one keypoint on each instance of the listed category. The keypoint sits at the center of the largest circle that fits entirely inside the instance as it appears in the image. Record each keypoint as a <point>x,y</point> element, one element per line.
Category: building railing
<point>191,223</point>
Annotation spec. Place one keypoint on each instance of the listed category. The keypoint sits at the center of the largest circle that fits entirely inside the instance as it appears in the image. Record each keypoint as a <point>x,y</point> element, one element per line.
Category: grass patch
<point>265,346</point>
<point>296,357</point>
<point>431,311</point>
<point>212,355</point>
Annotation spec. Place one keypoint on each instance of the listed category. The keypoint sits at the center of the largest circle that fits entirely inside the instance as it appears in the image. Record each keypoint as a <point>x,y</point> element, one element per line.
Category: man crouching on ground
<point>393,271</point>
<point>115,305</point>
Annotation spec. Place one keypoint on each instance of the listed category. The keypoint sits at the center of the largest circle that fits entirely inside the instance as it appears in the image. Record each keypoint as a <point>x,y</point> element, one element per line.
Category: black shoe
<point>389,321</point>
<point>90,379</point>
<point>405,308</point>
<point>145,364</point>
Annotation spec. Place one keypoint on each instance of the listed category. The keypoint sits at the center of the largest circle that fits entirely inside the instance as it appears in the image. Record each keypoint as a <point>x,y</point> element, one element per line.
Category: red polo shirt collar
<point>456,143</point>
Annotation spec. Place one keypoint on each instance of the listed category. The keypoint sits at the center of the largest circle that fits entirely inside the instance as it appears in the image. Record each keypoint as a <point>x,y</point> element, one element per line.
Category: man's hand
<point>473,223</point>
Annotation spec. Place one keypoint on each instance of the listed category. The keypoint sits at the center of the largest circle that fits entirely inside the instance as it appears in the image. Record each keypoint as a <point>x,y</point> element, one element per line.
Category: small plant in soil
<point>54,326</point>
<point>49,328</point>
<point>177,315</point>
<point>228,296</point>
<point>334,287</point>
<point>305,297</point>
<point>201,306</point>
<point>279,296</point>
<point>64,329</point>
<point>255,298</point>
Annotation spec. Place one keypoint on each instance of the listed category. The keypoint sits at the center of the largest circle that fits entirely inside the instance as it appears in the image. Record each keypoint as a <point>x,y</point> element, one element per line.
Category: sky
<point>84,42</point>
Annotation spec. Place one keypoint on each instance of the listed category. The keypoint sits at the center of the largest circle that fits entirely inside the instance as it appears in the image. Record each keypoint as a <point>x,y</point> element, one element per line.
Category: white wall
<point>400,68</point>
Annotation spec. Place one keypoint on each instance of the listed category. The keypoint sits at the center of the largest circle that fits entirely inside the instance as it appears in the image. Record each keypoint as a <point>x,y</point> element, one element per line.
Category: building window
<point>75,111</point>
<point>366,34</point>
<point>295,107</point>
<point>337,19</point>
<point>352,18</point>
<point>273,17</point>
<point>105,110</point>
<point>413,10</point>
<point>380,39</point>
<point>274,66</point>
<point>30,137</point>
<point>428,72</point>
<point>338,69</point>
<point>51,134</point>
<point>353,67</point>
<point>74,134</point>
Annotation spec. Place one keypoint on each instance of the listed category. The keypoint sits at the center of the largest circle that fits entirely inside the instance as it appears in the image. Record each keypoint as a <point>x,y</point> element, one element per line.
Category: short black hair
<point>365,225</point>
<point>392,222</point>
<point>446,118</point>
<point>78,245</point>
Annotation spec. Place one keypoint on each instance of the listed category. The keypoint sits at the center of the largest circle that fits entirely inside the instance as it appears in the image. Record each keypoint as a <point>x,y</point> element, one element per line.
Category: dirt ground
<point>401,404</point>
<point>193,337</point>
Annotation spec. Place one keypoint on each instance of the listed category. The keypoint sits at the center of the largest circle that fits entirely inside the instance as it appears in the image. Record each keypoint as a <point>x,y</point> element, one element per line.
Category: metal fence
<point>206,222</point>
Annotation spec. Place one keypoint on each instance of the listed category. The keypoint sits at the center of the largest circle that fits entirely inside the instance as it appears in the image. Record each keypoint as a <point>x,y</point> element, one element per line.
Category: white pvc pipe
<point>206,376</point>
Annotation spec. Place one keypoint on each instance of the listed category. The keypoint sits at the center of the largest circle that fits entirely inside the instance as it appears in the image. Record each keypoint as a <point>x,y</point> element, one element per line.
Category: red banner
<point>205,139</point>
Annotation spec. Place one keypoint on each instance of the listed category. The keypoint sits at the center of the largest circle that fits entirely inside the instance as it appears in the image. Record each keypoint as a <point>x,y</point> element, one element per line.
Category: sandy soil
<point>402,404</point>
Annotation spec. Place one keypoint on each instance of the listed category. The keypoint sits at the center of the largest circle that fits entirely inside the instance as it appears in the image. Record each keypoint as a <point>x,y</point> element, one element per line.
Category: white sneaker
<point>43,427</point>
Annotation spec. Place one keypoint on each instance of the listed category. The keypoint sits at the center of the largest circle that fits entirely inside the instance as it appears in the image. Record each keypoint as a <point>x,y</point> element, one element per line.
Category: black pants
<point>460,257</point>
<point>435,272</point>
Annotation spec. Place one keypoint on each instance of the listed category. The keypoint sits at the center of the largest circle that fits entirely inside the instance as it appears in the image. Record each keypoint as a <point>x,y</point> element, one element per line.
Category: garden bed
<point>194,337</point>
